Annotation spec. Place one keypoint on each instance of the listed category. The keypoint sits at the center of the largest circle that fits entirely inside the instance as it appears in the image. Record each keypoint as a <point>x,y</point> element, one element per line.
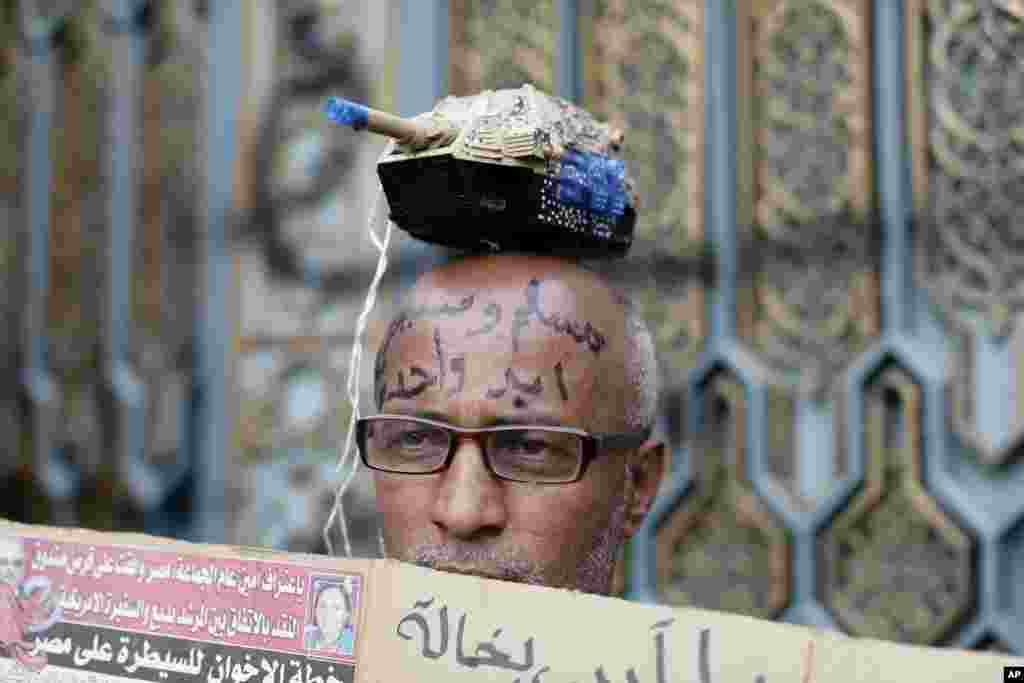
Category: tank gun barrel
<point>412,132</point>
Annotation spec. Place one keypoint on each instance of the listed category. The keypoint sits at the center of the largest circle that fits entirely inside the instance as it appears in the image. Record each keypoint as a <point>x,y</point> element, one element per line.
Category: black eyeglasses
<point>535,455</point>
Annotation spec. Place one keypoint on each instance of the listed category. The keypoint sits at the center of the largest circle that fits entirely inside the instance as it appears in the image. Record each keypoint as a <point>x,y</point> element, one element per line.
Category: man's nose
<point>471,501</point>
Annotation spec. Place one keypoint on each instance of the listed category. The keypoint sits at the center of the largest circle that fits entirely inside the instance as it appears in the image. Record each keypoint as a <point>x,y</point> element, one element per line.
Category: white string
<point>355,362</point>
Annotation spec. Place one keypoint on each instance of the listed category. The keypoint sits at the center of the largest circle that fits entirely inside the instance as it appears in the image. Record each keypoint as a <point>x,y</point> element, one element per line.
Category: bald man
<point>516,396</point>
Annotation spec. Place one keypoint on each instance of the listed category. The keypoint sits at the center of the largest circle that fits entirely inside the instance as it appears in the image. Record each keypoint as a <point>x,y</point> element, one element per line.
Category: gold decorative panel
<point>166,249</point>
<point>809,301</point>
<point>644,70</point>
<point>78,253</point>
<point>13,134</point>
<point>967,133</point>
<point>82,437</point>
<point>966,129</point>
<point>893,564</point>
<point>721,548</point>
<point>13,169</point>
<point>78,237</point>
<point>13,119</point>
<point>495,45</point>
<point>170,103</point>
<point>148,290</point>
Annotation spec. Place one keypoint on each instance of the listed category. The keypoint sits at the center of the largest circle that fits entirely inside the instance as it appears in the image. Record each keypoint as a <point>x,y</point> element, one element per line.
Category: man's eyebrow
<point>528,419</point>
<point>431,415</point>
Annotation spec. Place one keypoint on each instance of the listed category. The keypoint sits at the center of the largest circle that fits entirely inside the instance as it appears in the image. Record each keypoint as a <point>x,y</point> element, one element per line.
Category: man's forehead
<point>486,337</point>
<point>505,332</point>
<point>500,301</point>
<point>479,379</point>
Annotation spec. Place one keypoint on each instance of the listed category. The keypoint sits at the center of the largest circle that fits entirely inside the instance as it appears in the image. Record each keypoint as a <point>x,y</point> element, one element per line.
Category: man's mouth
<point>479,573</point>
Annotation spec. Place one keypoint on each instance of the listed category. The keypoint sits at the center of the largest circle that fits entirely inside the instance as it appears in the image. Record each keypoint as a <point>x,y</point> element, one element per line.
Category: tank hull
<point>478,206</point>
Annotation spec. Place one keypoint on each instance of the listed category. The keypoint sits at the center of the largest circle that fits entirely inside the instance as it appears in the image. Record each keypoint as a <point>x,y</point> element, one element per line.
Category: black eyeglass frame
<point>593,445</point>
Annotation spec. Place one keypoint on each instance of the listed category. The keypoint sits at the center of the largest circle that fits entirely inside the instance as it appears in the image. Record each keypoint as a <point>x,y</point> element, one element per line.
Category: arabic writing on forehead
<point>520,387</point>
<point>582,332</point>
<point>402,323</point>
<point>441,310</point>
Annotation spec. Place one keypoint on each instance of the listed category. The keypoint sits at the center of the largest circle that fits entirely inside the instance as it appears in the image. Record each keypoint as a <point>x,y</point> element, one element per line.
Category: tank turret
<point>504,170</point>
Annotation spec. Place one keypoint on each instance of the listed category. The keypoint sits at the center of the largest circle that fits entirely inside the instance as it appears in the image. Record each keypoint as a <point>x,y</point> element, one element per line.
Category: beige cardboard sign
<point>85,606</point>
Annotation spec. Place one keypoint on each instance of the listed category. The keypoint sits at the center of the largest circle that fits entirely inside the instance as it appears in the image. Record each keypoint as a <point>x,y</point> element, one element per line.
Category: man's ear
<point>646,467</point>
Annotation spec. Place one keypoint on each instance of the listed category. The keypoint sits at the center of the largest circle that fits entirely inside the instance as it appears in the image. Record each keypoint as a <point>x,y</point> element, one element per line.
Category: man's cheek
<point>547,513</point>
<point>401,501</point>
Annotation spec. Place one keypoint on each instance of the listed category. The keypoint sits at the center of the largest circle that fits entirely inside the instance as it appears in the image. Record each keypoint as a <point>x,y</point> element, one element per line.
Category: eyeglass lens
<point>528,455</point>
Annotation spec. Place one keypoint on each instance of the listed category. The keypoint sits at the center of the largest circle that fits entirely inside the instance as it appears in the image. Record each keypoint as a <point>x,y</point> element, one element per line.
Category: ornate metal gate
<point>850,426</point>
<point>844,405</point>
<point>831,268</point>
<point>834,279</point>
<point>112,261</point>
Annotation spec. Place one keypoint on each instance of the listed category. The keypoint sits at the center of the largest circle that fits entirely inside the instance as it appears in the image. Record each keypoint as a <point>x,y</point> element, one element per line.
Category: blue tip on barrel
<point>346,113</point>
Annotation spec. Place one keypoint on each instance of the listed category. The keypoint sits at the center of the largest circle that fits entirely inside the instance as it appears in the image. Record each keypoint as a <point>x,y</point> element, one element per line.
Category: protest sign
<point>96,607</point>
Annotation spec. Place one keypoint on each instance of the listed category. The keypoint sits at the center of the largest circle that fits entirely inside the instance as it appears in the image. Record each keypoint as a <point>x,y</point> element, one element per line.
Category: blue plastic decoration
<point>592,182</point>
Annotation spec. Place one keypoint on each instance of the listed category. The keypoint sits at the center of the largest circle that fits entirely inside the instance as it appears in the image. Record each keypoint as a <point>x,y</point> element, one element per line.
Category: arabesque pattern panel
<point>108,203</point>
<point>721,547</point>
<point>807,248</point>
<point>967,137</point>
<point>644,70</point>
<point>813,302</point>
<point>893,564</point>
<point>501,45</point>
<point>879,451</point>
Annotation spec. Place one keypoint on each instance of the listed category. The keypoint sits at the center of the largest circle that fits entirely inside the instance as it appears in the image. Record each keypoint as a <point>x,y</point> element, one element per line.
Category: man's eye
<point>522,445</point>
<point>531,446</point>
<point>413,439</point>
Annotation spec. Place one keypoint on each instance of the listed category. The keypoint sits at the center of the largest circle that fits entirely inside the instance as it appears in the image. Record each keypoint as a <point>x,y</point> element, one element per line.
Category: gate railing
<point>120,421</point>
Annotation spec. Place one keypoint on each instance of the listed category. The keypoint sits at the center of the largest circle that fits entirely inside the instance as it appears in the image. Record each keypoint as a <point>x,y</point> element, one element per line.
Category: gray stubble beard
<point>593,575</point>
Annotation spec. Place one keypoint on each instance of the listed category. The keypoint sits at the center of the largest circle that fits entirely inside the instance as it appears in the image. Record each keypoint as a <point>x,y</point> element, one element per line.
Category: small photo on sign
<point>331,623</point>
<point>28,606</point>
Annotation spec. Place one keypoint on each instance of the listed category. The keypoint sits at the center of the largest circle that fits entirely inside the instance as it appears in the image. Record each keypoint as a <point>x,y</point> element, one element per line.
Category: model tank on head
<point>504,170</point>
